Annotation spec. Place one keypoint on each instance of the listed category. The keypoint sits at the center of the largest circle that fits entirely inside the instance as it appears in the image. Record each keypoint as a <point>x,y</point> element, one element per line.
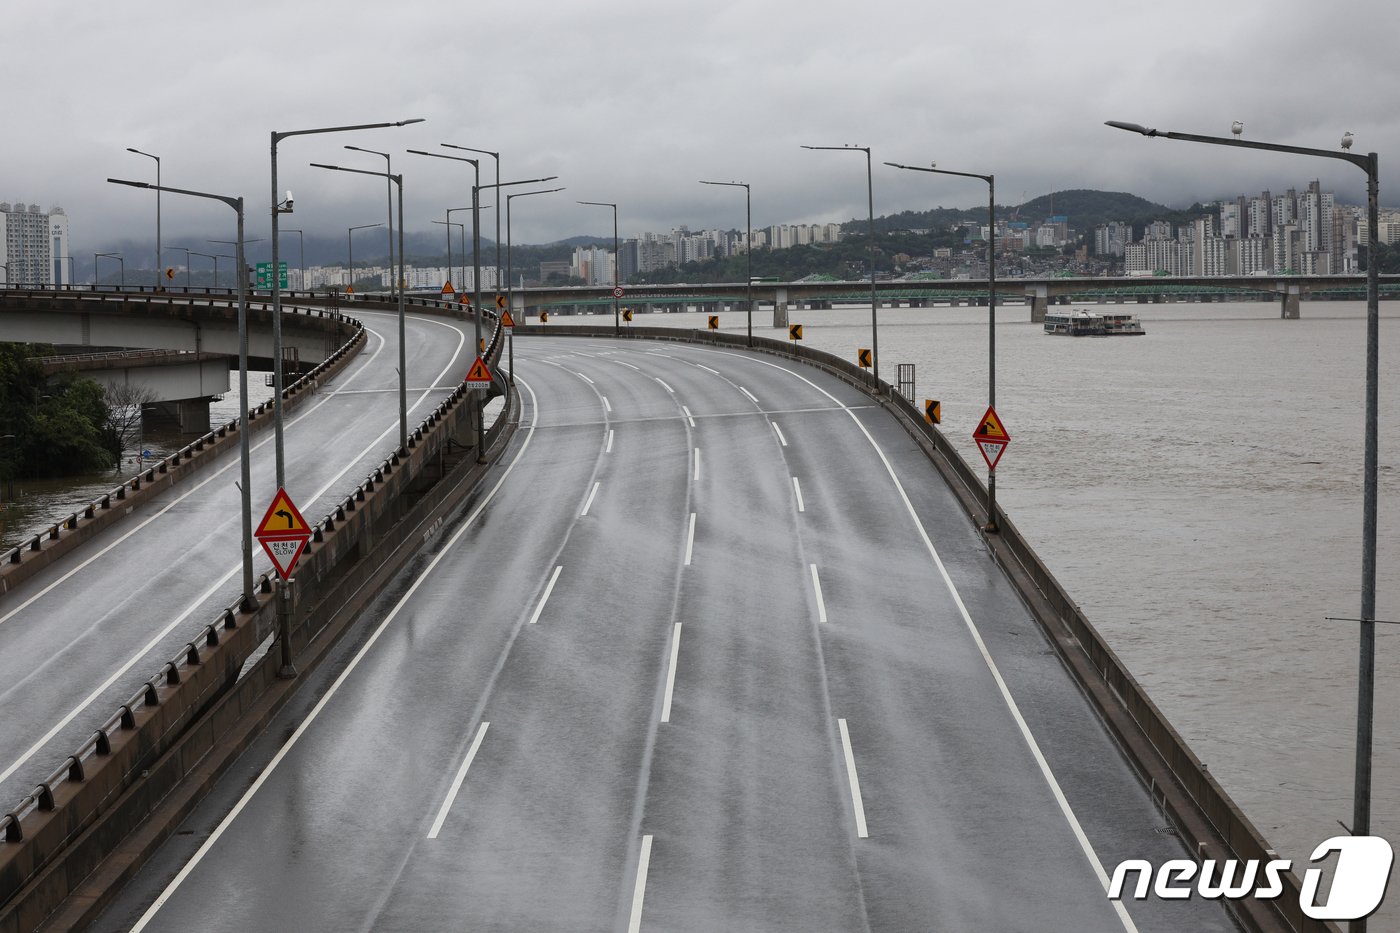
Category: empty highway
<point>712,648</point>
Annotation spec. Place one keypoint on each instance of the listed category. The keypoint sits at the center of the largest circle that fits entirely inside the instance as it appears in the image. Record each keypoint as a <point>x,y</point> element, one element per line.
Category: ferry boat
<point>1081,323</point>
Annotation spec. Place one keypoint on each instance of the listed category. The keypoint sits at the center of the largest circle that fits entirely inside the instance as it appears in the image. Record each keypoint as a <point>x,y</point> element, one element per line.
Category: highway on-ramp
<point>78,638</point>
<point>711,648</point>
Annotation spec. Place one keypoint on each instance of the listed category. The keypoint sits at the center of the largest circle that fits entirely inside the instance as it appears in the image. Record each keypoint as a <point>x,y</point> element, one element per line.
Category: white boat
<point>1081,323</point>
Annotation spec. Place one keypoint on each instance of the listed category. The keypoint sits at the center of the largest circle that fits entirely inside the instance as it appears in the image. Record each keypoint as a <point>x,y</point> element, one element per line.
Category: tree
<point>56,426</point>
<point>125,402</point>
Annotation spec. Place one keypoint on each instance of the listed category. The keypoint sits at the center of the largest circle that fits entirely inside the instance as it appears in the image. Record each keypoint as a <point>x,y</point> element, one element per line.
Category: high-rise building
<point>35,245</point>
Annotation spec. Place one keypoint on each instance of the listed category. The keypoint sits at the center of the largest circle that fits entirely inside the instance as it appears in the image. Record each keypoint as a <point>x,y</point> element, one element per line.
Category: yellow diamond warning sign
<point>479,373</point>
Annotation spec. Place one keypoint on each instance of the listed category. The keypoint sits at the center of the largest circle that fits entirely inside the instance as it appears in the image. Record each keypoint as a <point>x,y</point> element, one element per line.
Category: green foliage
<point>1388,260</point>
<point>58,428</point>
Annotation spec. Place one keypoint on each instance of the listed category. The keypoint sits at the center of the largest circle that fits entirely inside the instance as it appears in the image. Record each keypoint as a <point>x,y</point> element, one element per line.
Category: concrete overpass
<point>177,385</point>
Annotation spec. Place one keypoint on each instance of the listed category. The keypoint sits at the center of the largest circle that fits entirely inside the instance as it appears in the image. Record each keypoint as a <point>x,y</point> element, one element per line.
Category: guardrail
<point>23,560</point>
<point>60,832</point>
<point>1180,784</point>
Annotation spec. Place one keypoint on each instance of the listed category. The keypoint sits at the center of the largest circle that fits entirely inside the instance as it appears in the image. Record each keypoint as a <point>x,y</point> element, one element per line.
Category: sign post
<point>283,533</point>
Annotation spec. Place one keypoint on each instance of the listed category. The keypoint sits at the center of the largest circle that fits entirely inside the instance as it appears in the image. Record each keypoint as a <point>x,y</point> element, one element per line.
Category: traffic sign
<point>627,315</point>
<point>264,270</point>
<point>863,357</point>
<point>507,320</point>
<point>478,372</point>
<point>481,345</point>
<point>169,272</point>
<point>500,301</point>
<point>714,322</point>
<point>283,533</point>
<point>544,317</point>
<point>991,438</point>
<point>794,331</point>
<point>933,411</point>
<point>617,292</point>
<point>447,288</point>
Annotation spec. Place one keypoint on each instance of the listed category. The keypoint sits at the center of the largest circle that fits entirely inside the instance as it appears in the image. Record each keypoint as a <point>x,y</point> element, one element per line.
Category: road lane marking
<point>856,801</point>
<point>688,416</point>
<point>1054,785</point>
<point>607,406</point>
<point>590,499</point>
<point>690,540</point>
<point>608,449</point>
<point>628,365</point>
<point>817,586</point>
<point>457,782</point>
<point>708,369</point>
<point>781,440</point>
<point>585,378</point>
<point>664,385</point>
<point>639,893</point>
<point>553,578</point>
<point>325,700</point>
<point>797,488</point>
<point>697,464</point>
<point>753,398</point>
<point>671,674</point>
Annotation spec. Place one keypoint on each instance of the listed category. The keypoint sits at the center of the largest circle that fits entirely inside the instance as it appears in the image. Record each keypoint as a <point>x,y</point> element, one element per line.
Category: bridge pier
<point>187,415</point>
<point>1040,299</point>
<point>780,308</point>
<point>1291,310</point>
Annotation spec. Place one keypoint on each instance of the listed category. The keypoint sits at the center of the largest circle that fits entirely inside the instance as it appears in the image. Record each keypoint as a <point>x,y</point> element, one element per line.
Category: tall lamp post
<point>449,224</point>
<point>246,241</point>
<point>158,191</point>
<point>403,364</point>
<point>476,236</point>
<point>870,194</point>
<point>1370,164</point>
<point>389,192</point>
<point>510,271</point>
<point>462,280</point>
<point>216,264</point>
<point>617,317</point>
<point>118,258</point>
<point>350,245</point>
<point>280,207</point>
<point>496,157</point>
<point>249,601</point>
<point>748,246</point>
<point>991,181</point>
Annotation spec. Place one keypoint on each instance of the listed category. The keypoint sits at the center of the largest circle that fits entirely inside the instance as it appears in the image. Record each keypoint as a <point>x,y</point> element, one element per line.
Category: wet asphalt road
<point>712,649</point>
<point>77,639</point>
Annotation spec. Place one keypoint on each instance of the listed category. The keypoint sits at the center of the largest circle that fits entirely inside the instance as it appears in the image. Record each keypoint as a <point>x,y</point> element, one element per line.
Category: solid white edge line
<point>588,504</point>
<point>697,464</point>
<point>817,586</point>
<point>708,369</point>
<point>608,449</point>
<point>797,488</point>
<point>664,385</point>
<point>1056,791</point>
<point>753,398</point>
<point>457,782</point>
<point>671,674</point>
<point>585,378</point>
<point>607,406</point>
<point>781,440</point>
<point>688,416</point>
<point>639,892</point>
<point>325,700</point>
<point>856,802</point>
<point>549,588</point>
<point>690,540</point>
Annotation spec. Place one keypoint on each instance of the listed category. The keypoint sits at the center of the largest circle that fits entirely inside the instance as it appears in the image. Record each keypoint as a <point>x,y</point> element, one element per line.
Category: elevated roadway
<point>713,648</point>
<point>77,637</point>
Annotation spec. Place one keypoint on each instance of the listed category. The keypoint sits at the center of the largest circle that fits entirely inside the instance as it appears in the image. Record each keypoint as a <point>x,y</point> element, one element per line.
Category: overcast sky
<point>635,102</point>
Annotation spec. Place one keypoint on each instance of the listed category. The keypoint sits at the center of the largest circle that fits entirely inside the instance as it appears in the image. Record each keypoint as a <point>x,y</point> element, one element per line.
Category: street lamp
<point>280,207</point>
<point>510,272</point>
<point>991,310</point>
<point>617,317</point>
<point>246,487</point>
<point>403,365</point>
<point>256,239</point>
<point>449,224</point>
<point>349,236</point>
<point>497,157</point>
<point>216,264</point>
<point>389,193</point>
<point>158,190</point>
<point>450,211</point>
<point>870,193</point>
<point>476,243</point>
<point>301,259</point>
<point>118,258</point>
<point>1370,164</point>
<point>748,246</point>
